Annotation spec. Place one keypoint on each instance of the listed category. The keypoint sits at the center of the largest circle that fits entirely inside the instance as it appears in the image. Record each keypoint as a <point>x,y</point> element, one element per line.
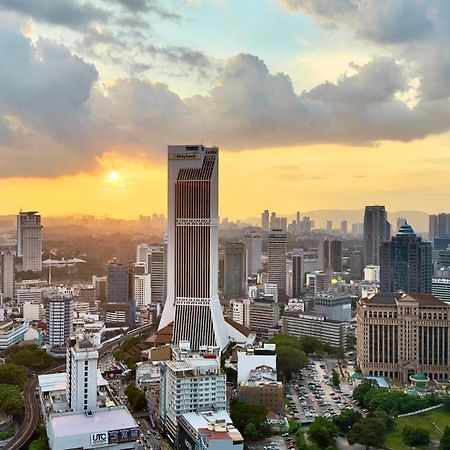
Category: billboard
<point>124,435</point>
<point>100,438</point>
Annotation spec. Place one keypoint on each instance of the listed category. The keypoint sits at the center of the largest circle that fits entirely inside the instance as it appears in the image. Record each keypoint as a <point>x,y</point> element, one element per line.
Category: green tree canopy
<point>371,431</point>
<point>323,432</point>
<point>335,378</point>
<point>14,374</point>
<point>346,420</point>
<point>445,439</point>
<point>244,414</point>
<point>415,436</point>
<point>10,399</point>
<point>290,360</point>
<point>30,356</point>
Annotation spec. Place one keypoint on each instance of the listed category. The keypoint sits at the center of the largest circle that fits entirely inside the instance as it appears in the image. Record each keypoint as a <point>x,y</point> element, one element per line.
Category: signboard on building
<point>184,156</point>
<point>124,435</point>
<point>100,438</point>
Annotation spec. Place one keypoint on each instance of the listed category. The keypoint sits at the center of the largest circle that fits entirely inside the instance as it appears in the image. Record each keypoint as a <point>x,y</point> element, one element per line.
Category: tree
<point>371,431</point>
<point>445,439</point>
<point>10,399</point>
<point>415,436</point>
<point>335,379</point>
<point>244,414</point>
<point>323,432</point>
<point>136,398</point>
<point>13,374</point>
<point>346,420</point>
<point>290,360</point>
<point>29,355</point>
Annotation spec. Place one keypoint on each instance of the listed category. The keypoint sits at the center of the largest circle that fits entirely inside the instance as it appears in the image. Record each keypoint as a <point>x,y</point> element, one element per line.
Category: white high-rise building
<point>155,263</point>
<point>81,374</point>
<point>372,273</point>
<point>29,240</point>
<point>59,317</point>
<point>253,245</point>
<point>192,302</point>
<point>277,261</point>
<point>142,290</point>
<point>142,252</point>
<point>7,273</point>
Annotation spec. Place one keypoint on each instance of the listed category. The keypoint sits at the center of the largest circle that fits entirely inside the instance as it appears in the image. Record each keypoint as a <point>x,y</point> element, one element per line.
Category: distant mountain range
<point>417,219</point>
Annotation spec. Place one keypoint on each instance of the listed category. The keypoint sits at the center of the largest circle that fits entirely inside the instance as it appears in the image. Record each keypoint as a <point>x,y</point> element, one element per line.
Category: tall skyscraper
<point>277,261</point>
<point>344,227</point>
<point>7,273</point>
<point>192,302</point>
<point>444,225</point>
<point>432,227</point>
<point>29,240</point>
<point>406,263</point>
<point>400,221</point>
<point>142,252</point>
<point>329,226</point>
<point>330,255</point>
<point>253,245</point>
<point>265,220</point>
<point>156,270</point>
<point>376,230</point>
<point>356,265</point>
<point>298,272</point>
<point>235,270</point>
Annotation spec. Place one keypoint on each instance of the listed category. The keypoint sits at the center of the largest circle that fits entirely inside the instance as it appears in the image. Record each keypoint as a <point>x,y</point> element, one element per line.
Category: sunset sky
<point>314,103</point>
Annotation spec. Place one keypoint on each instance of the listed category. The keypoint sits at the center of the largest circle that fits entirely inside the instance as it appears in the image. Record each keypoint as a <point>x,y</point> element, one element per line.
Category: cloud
<point>55,119</point>
<point>68,13</point>
<point>143,6</point>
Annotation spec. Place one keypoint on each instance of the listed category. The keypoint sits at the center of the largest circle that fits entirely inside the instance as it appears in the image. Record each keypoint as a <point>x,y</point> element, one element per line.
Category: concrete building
<point>12,332</point>
<point>372,273</point>
<point>142,252</point>
<point>401,334</point>
<point>235,270</point>
<point>190,384</point>
<point>7,273</point>
<point>253,245</point>
<point>298,272</point>
<point>334,305</point>
<point>59,318</point>
<point>29,240</point>
<point>322,282</point>
<point>356,265</point>
<point>265,220</point>
<point>376,230</point>
<point>263,315</point>
<point>208,430</point>
<point>33,311</point>
<point>330,255</point>
<point>277,261</point>
<point>156,268</point>
<point>249,359</point>
<point>317,326</point>
<point>78,408</point>
<point>344,227</point>
<point>405,263</point>
<point>440,288</point>
<point>142,290</point>
<point>239,311</point>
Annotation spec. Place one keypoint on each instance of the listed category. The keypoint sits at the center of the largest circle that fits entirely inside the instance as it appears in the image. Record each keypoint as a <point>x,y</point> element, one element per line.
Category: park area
<point>439,418</point>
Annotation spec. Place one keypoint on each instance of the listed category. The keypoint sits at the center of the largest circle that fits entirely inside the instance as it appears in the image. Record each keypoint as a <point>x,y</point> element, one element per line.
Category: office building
<point>239,311</point>
<point>277,261</point>
<point>440,288</point>
<point>357,229</point>
<point>330,255</point>
<point>322,282</point>
<point>401,334</point>
<point>263,315</point>
<point>406,263</point>
<point>250,358</point>
<point>7,273</point>
<point>316,326</point>
<point>311,261</point>
<point>298,272</point>
<point>29,240</point>
<point>208,430</point>
<point>142,252</point>
<point>376,230</point>
<point>432,227</point>
<point>235,270</point>
<point>443,226</point>
<point>306,225</point>
<point>372,273</point>
<point>356,265</point>
<point>344,227</point>
<point>400,222</point>
<point>156,269</point>
<point>334,305</point>
<point>99,284</point>
<point>33,311</point>
<point>192,303</point>
<point>78,407</point>
<point>444,257</point>
<point>265,220</point>
<point>142,290</point>
<point>329,226</point>
<point>253,245</point>
<point>59,318</point>
<point>12,332</point>
<point>190,384</point>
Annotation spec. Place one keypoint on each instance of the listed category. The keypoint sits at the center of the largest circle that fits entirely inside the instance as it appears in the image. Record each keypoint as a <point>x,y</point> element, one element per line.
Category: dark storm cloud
<point>69,13</point>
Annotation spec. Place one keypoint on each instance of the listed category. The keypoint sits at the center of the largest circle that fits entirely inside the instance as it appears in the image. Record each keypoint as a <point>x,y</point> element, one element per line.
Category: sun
<point>113,176</point>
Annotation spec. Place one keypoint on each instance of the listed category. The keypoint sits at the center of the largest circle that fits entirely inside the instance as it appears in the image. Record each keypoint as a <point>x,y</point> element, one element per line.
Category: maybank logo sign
<point>184,156</point>
<point>99,439</point>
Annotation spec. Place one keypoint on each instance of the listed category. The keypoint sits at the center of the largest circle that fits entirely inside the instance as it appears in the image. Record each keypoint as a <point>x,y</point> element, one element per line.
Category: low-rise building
<point>12,332</point>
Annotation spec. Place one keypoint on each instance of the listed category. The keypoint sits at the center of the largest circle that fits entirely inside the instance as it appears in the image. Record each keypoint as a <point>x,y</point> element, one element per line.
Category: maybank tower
<point>192,304</point>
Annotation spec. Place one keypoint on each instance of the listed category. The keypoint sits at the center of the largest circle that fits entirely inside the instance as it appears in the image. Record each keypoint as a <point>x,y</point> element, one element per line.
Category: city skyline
<point>368,101</point>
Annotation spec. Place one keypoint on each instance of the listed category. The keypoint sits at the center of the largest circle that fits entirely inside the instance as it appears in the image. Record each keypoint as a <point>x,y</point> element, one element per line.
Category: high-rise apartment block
<point>59,318</point>
<point>253,245</point>
<point>7,273</point>
<point>142,290</point>
<point>29,240</point>
<point>277,261</point>
<point>376,230</point>
<point>235,270</point>
<point>401,334</point>
<point>406,263</point>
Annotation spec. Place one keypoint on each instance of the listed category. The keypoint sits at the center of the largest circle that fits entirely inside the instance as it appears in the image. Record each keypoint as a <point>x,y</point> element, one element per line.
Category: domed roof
<point>406,229</point>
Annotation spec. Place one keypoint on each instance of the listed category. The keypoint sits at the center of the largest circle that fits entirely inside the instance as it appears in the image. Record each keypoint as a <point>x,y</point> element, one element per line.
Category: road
<point>31,402</point>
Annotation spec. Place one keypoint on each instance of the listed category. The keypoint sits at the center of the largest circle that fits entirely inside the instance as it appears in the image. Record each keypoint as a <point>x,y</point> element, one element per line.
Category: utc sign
<point>99,439</point>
